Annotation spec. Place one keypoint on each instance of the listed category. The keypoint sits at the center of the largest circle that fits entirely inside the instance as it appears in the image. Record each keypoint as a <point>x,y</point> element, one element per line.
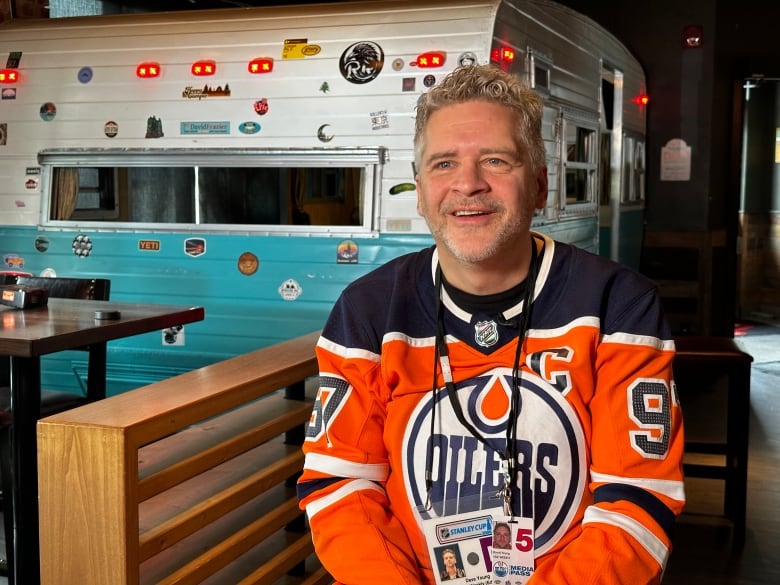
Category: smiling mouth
<point>468,213</point>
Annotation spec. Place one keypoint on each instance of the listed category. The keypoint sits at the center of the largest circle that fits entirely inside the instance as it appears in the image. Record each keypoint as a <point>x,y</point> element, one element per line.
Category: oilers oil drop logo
<point>467,474</point>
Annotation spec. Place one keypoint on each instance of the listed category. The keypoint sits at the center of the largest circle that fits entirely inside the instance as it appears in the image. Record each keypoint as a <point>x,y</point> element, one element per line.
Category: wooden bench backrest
<point>186,480</point>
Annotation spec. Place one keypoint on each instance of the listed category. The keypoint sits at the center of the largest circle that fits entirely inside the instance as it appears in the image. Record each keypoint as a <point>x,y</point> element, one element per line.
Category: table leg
<point>96,372</point>
<point>25,411</point>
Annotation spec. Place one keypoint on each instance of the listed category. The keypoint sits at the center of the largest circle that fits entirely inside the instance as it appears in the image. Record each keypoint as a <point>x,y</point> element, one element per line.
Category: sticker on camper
<point>290,290</point>
<point>31,184</point>
<point>196,93</point>
<point>111,128</point>
<point>299,49</point>
<point>14,58</point>
<point>194,247</point>
<point>261,107</point>
<point>398,64</point>
<point>48,111</point>
<point>402,188</point>
<point>467,59</point>
<point>9,93</point>
<point>154,127</point>
<point>42,245</point>
<point>408,84</point>
<point>149,245</point>
<point>322,135</point>
<point>173,335</point>
<point>361,62</point>
<point>347,252</point>
<point>3,134</point>
<point>82,245</point>
<point>13,261</point>
<point>248,263</point>
<point>187,128</point>
<point>249,127</point>
<point>85,74</point>
<point>379,120</point>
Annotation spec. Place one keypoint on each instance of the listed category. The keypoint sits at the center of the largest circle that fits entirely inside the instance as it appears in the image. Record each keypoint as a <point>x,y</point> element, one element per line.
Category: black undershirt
<point>493,304</point>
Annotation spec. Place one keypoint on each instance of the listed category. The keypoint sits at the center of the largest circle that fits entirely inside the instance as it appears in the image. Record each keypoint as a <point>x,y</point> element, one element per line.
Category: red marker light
<point>9,76</point>
<point>503,57</point>
<point>642,99</point>
<point>206,67</point>
<point>148,69</point>
<point>431,59</point>
<point>261,65</point>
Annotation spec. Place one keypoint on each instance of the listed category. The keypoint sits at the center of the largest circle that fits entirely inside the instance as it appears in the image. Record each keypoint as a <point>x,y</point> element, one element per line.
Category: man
<point>502,536</point>
<point>497,363</point>
<point>451,569</point>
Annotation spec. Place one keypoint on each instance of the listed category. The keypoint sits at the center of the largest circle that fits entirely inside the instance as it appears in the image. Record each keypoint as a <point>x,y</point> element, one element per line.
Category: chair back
<point>96,289</point>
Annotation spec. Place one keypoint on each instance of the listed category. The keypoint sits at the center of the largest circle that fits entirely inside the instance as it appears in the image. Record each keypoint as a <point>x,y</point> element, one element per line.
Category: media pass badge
<point>468,548</point>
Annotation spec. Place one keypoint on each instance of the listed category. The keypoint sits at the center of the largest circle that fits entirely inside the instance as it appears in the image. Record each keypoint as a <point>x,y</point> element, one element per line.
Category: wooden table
<point>28,334</point>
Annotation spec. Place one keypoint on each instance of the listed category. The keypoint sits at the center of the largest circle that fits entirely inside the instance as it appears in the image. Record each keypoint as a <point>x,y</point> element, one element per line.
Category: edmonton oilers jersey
<point>598,437</point>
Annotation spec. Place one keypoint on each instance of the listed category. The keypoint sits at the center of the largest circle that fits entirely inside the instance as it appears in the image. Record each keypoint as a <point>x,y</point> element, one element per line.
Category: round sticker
<point>361,62</point>
<point>261,107</point>
<point>82,245</point>
<point>249,127</point>
<point>48,111</point>
<point>247,263</point>
<point>85,74</point>
<point>111,128</point>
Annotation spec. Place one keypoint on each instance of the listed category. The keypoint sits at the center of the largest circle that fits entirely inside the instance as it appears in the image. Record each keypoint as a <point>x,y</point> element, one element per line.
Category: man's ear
<point>419,192</point>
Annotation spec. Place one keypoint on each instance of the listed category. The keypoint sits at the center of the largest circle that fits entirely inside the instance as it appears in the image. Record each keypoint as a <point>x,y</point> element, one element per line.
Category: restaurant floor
<point>702,548</point>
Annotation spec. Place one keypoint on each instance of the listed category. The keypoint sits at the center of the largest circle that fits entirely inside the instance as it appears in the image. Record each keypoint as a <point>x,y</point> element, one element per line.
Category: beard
<point>479,243</point>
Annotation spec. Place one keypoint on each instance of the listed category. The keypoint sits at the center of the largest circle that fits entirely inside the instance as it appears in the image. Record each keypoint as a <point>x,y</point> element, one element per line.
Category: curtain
<point>66,191</point>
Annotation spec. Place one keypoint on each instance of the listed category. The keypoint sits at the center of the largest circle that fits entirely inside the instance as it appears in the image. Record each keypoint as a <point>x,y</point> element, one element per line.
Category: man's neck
<point>492,276</point>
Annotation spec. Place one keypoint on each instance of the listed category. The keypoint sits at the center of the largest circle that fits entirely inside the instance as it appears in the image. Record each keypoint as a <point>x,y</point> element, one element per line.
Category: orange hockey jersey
<point>598,432</point>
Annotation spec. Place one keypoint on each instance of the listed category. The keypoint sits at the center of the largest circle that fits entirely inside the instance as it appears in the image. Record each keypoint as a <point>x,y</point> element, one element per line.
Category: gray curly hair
<point>491,84</point>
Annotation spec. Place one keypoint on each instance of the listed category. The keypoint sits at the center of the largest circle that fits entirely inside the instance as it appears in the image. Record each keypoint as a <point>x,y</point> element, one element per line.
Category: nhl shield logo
<point>486,333</point>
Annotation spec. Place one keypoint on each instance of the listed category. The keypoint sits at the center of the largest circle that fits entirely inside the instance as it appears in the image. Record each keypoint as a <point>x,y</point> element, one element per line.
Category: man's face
<point>476,188</point>
<point>449,559</point>
<point>502,537</point>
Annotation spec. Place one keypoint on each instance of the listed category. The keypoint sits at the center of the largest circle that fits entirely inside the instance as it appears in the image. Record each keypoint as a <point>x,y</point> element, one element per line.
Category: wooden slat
<point>281,563</point>
<point>208,448</point>
<point>231,548</point>
<point>319,577</point>
<point>196,517</point>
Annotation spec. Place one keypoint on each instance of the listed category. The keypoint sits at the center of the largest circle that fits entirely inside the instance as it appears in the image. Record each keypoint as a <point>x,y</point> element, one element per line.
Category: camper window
<point>581,157</point>
<point>171,191</point>
<point>633,169</point>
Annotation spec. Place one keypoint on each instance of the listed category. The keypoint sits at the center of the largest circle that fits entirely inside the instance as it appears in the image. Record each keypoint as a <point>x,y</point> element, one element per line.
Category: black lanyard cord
<point>442,360</point>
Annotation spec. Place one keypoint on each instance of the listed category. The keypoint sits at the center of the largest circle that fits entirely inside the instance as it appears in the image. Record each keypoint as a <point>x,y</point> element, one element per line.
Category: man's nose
<point>470,178</point>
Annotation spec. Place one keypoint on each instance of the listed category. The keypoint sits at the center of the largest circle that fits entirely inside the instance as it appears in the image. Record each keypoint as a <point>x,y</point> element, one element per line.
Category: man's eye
<point>443,164</point>
<point>496,164</point>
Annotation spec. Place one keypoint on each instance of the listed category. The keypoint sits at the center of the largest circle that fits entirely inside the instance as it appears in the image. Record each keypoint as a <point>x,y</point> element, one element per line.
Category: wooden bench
<point>187,480</point>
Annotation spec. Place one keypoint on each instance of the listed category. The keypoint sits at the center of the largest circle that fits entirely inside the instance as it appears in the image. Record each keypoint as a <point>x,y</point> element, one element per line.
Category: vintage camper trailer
<point>255,161</point>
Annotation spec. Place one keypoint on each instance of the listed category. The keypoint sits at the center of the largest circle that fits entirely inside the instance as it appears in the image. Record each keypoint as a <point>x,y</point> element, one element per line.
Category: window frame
<point>369,159</point>
<point>587,122</point>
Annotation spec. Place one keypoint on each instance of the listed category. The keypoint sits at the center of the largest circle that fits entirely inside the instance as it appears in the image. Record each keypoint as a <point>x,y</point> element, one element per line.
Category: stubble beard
<point>470,246</point>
